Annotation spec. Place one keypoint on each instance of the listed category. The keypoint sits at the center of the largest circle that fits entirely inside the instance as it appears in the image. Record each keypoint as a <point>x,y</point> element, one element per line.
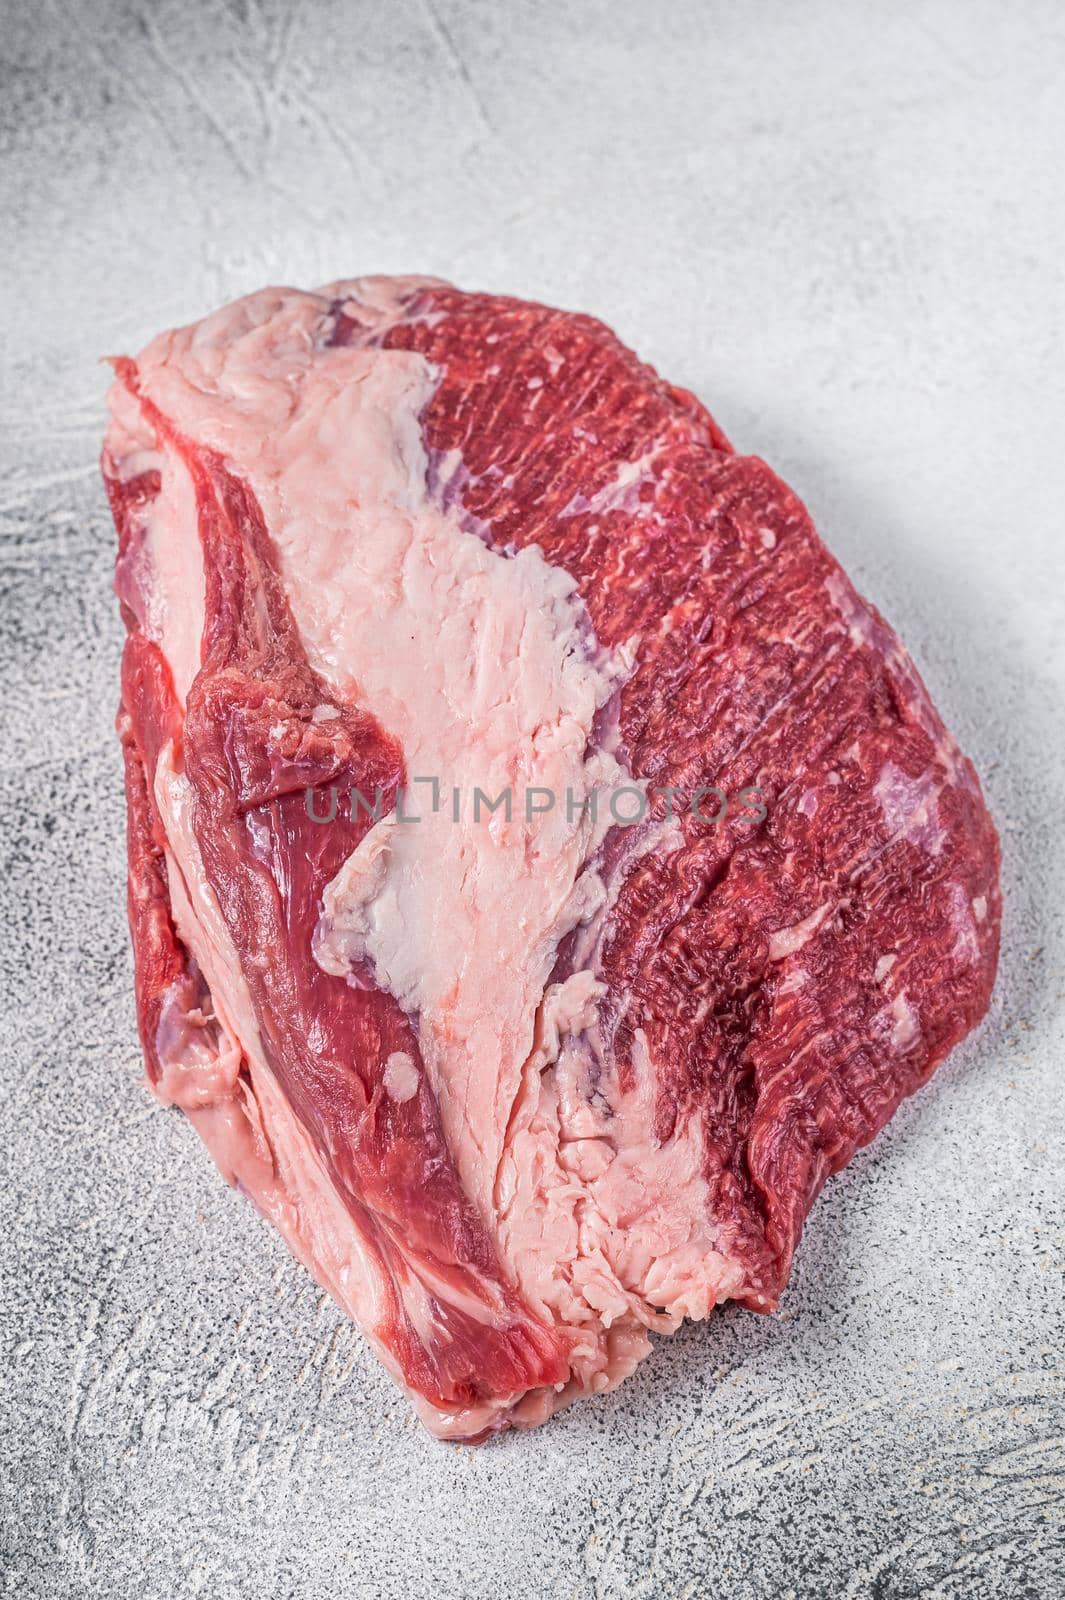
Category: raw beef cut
<point>544,869</point>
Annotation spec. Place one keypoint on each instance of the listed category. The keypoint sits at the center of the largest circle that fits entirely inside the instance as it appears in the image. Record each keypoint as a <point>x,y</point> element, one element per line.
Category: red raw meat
<point>517,1084</point>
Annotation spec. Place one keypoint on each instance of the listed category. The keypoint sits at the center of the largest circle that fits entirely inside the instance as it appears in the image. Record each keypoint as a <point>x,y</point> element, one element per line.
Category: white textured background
<point>844,226</point>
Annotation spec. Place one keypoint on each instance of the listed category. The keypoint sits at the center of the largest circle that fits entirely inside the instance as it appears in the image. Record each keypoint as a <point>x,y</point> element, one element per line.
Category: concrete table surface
<point>843,226</point>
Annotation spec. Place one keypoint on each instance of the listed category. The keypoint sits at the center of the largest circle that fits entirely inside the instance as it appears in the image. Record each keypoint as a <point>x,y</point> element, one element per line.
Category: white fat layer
<point>486,671</point>
<point>170,577</point>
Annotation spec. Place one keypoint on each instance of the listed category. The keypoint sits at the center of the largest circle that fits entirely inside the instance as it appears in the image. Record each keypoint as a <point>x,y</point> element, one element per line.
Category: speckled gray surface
<point>843,226</point>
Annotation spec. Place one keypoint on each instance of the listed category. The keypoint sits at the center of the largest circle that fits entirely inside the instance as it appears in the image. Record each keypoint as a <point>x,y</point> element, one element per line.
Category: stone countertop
<point>843,226</point>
